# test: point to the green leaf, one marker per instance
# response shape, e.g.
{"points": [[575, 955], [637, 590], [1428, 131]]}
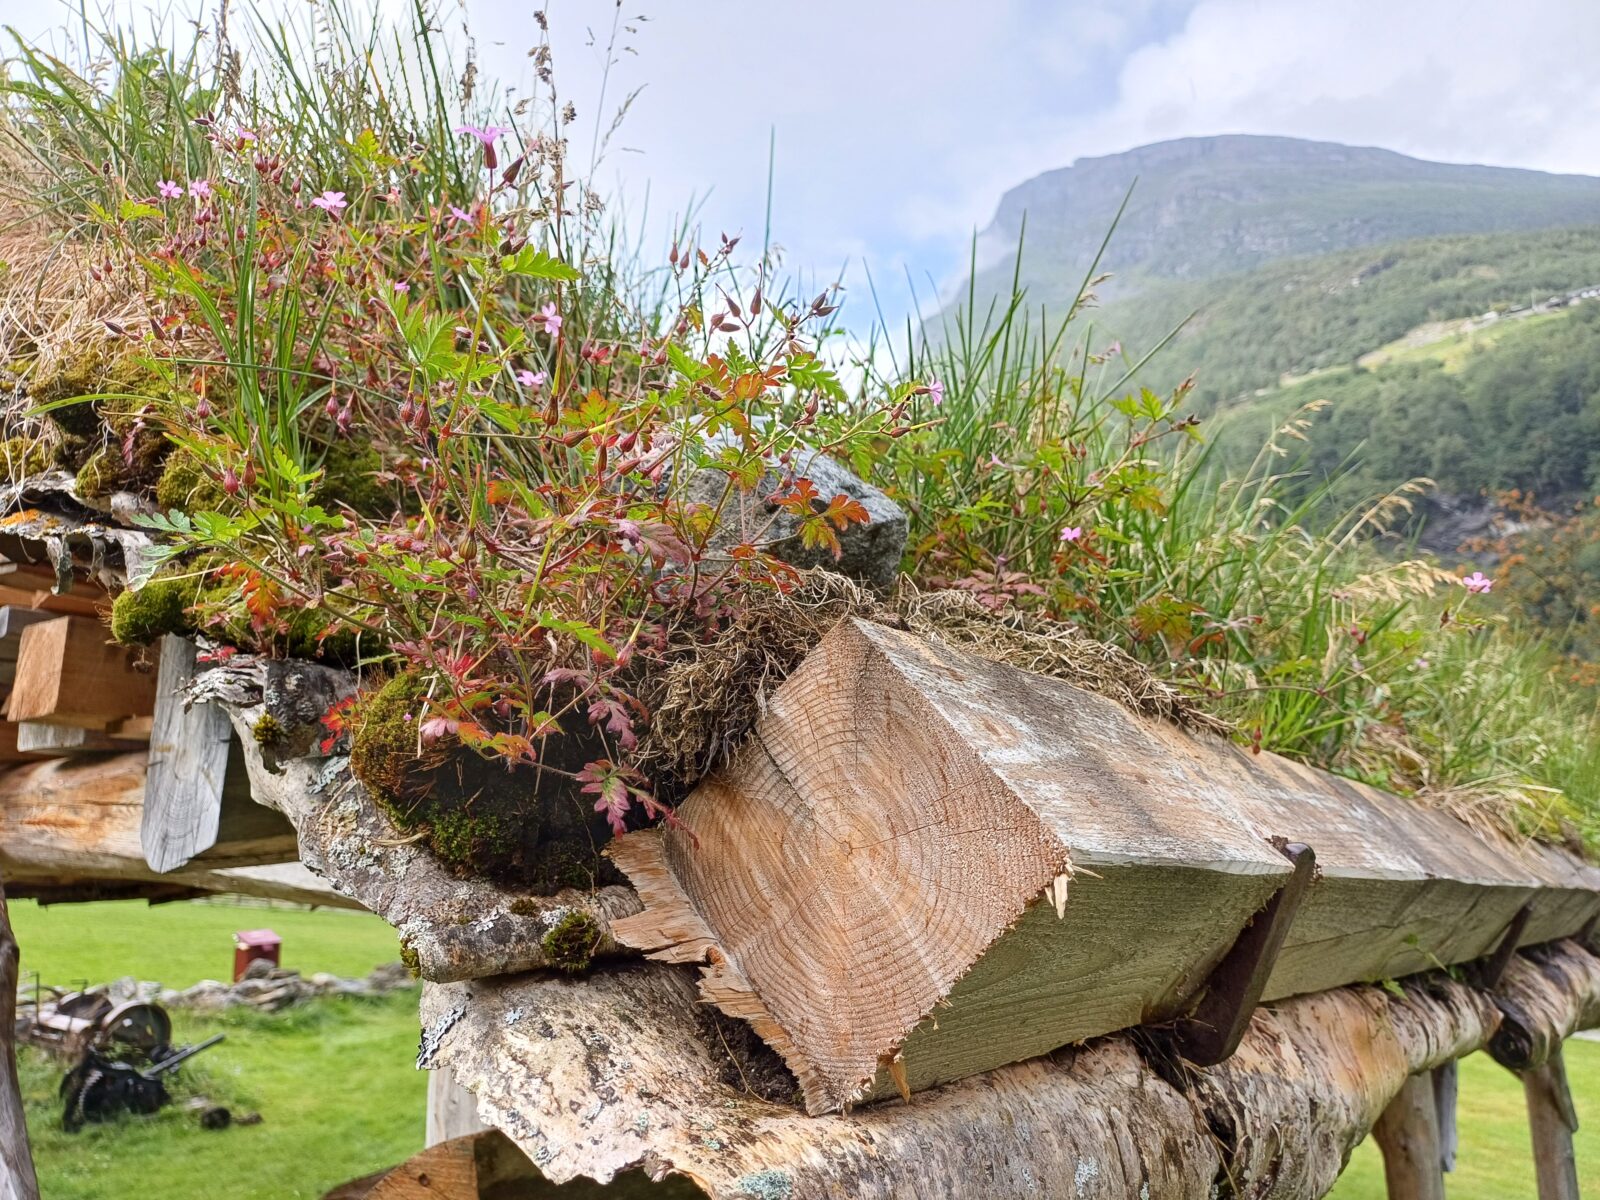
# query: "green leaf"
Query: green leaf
{"points": [[586, 634], [537, 264], [135, 210]]}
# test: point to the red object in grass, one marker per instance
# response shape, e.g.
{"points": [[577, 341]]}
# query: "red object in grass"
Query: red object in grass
{"points": [[252, 944]]}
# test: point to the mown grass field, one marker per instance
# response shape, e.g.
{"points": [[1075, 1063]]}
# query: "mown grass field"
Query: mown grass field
{"points": [[339, 1097], [334, 1081]]}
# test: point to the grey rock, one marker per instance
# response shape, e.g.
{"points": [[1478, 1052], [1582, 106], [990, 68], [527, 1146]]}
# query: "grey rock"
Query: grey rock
{"points": [[870, 552]]}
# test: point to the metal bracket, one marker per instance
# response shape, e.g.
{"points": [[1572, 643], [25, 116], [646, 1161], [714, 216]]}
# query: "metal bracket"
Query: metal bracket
{"points": [[1212, 1028], [1490, 969]]}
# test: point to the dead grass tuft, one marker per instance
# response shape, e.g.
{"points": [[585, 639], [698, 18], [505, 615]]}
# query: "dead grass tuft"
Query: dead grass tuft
{"points": [[706, 701]]}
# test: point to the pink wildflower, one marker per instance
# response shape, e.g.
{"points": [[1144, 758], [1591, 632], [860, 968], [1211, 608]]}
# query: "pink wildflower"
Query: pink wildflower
{"points": [[488, 135], [530, 379], [330, 202], [551, 319], [170, 189], [461, 215], [1478, 583], [1072, 533], [936, 391], [401, 287], [199, 188]]}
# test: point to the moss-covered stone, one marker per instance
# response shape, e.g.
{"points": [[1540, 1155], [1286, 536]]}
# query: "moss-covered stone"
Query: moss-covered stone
{"points": [[97, 370], [571, 942], [98, 476], [159, 607], [185, 485], [409, 959], [315, 634], [519, 826]]}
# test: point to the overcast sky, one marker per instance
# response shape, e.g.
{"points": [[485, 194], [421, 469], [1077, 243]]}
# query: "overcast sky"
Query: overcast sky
{"points": [[897, 124]]}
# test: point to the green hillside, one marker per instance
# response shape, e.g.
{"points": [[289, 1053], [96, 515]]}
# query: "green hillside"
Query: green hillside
{"points": [[1515, 404], [1246, 332]]}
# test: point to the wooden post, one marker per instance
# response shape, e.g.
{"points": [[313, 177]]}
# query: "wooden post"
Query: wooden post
{"points": [[1552, 1121], [452, 1110], [1408, 1135], [17, 1180], [1446, 1086]]}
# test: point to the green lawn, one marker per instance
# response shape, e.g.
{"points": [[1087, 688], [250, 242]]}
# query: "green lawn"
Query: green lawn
{"points": [[180, 944], [334, 1080]]}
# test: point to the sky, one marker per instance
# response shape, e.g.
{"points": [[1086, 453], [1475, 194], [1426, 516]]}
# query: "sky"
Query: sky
{"points": [[892, 127]]}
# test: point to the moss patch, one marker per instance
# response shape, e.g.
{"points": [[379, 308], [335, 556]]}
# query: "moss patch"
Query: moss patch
{"points": [[27, 456], [267, 731], [185, 485], [571, 942], [349, 479], [158, 608]]}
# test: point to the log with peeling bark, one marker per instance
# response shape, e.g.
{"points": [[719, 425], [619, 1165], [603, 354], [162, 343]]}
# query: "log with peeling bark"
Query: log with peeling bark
{"points": [[17, 1179], [924, 865], [627, 1071], [1544, 998], [451, 927]]}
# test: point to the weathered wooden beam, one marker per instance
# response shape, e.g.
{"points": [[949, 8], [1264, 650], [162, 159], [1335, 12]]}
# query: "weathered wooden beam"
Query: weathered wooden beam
{"points": [[14, 618], [1446, 1093], [17, 1178], [1408, 1135], [628, 1071], [1552, 1120], [452, 1112], [70, 824], [189, 752], [69, 673], [924, 865]]}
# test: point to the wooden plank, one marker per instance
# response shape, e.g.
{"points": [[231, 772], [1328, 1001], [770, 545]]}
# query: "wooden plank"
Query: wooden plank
{"points": [[484, 1165], [188, 765], [1552, 1121], [10, 750], [68, 673], [924, 865], [17, 1179], [1408, 1135], [36, 740]]}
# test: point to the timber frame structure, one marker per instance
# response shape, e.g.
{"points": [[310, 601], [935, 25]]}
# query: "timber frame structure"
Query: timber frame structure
{"points": [[1175, 969]]}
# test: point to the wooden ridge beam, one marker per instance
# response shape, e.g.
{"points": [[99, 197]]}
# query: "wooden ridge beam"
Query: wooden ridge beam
{"points": [[924, 865]]}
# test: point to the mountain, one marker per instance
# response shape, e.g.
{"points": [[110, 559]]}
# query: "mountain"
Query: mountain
{"points": [[1212, 206], [1420, 318]]}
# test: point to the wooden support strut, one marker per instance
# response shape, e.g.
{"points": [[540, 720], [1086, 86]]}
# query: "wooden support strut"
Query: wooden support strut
{"points": [[1408, 1135], [1210, 1032], [1552, 1120], [17, 1179]]}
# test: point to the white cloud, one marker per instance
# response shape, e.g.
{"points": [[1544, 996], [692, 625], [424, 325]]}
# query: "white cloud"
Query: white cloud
{"points": [[899, 123]]}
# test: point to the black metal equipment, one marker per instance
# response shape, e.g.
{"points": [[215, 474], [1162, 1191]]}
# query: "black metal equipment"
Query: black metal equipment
{"points": [[101, 1086]]}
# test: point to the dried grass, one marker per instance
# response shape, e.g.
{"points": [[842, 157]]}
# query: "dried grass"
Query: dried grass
{"points": [[706, 701]]}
